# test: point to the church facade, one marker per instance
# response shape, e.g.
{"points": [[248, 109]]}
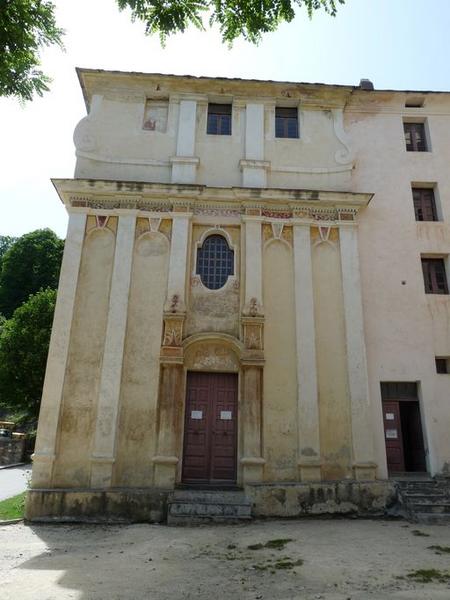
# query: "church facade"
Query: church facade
{"points": [[253, 294]]}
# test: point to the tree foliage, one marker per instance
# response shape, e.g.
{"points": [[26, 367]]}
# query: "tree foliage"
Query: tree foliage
{"points": [[26, 26], [247, 18], [6, 241], [24, 342], [32, 263]]}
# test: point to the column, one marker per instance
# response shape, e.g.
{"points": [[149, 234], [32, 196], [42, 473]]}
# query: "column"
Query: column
{"points": [[253, 265], [178, 260], [102, 459], [170, 426], [184, 164], [52, 393], [251, 423], [253, 166], [307, 395], [362, 437]]}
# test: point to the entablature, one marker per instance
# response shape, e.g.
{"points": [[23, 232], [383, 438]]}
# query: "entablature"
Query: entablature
{"points": [[264, 204]]}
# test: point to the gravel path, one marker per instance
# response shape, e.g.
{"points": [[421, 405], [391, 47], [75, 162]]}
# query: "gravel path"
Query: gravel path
{"points": [[326, 559]]}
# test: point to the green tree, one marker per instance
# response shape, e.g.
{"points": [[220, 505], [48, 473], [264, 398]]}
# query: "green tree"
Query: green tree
{"points": [[235, 18], [6, 241], [24, 341], [32, 263], [26, 26]]}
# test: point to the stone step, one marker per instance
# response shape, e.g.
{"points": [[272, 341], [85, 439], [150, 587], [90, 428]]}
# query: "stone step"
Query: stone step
{"points": [[430, 507], [220, 496], [432, 518]]}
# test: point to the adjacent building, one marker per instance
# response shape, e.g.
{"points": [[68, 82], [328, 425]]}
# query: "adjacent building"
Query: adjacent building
{"points": [[254, 293]]}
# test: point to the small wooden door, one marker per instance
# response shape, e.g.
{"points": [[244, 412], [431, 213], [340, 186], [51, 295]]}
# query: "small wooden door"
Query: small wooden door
{"points": [[393, 436], [210, 430]]}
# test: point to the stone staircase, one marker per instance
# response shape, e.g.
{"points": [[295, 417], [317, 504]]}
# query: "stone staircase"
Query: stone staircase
{"points": [[425, 501], [197, 507]]}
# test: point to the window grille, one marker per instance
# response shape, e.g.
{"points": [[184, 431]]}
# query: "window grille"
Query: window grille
{"points": [[215, 262]]}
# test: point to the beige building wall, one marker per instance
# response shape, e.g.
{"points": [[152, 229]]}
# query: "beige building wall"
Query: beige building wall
{"points": [[144, 147]]}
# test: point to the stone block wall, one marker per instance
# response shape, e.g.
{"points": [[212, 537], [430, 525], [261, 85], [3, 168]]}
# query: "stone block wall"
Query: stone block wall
{"points": [[11, 451]]}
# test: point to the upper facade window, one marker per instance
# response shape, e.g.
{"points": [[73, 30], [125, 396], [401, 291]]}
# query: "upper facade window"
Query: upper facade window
{"points": [[434, 275], [215, 262], [286, 122], [219, 119], [424, 204], [415, 137]]}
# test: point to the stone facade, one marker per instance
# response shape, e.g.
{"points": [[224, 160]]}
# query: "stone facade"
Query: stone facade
{"points": [[324, 301]]}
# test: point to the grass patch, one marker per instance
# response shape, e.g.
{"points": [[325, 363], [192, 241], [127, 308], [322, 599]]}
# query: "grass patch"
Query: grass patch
{"points": [[288, 564], [440, 549], [419, 533], [429, 575], [277, 544], [13, 508]]}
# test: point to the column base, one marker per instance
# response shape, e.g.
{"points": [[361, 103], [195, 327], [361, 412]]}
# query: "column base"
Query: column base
{"points": [[42, 470], [165, 471], [309, 471], [252, 469], [365, 471], [101, 471]]}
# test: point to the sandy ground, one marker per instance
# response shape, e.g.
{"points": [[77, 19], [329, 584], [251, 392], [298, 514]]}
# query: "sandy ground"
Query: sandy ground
{"points": [[342, 559]]}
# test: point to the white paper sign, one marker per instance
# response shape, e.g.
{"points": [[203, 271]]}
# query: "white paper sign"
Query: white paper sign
{"points": [[225, 415], [391, 434], [196, 414], [390, 416]]}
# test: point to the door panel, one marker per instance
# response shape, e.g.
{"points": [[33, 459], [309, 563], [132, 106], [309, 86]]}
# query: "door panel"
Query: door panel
{"points": [[393, 436], [210, 437]]}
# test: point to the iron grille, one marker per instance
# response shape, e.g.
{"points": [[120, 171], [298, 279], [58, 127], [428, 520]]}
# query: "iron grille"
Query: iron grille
{"points": [[215, 262]]}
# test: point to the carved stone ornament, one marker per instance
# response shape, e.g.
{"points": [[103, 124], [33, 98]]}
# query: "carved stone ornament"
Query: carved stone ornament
{"points": [[213, 356], [253, 333], [173, 330]]}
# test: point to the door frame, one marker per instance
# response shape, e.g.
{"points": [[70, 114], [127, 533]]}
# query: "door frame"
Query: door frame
{"points": [[237, 373]]}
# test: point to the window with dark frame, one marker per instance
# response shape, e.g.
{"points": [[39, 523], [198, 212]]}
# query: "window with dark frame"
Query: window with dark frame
{"points": [[434, 276], [424, 204], [215, 262], [415, 137], [219, 119], [286, 122], [442, 365]]}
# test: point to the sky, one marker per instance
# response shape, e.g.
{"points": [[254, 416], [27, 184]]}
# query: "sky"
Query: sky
{"points": [[398, 44]]}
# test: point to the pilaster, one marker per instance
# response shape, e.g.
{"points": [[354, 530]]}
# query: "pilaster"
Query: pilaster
{"points": [[363, 451], [307, 394], [253, 265], [44, 454], [102, 459], [254, 167], [184, 164], [176, 285]]}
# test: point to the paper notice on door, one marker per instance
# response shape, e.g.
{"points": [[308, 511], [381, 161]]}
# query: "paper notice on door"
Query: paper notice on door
{"points": [[390, 416], [196, 414], [391, 434], [225, 415]]}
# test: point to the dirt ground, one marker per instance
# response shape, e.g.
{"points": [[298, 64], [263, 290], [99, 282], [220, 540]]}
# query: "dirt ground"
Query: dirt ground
{"points": [[325, 559]]}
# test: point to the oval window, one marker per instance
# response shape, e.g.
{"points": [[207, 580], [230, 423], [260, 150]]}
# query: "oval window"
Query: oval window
{"points": [[215, 262]]}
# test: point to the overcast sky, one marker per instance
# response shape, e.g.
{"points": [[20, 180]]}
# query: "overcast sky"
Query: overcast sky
{"points": [[398, 44]]}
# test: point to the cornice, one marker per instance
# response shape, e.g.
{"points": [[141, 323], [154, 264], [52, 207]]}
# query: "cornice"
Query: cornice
{"points": [[91, 194]]}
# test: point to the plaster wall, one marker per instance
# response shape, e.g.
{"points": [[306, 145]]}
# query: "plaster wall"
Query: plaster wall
{"points": [[280, 371], [136, 436], [334, 409], [77, 422], [405, 328]]}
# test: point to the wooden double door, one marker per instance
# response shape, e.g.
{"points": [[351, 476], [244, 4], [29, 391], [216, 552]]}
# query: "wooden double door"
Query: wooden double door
{"points": [[405, 451], [210, 429]]}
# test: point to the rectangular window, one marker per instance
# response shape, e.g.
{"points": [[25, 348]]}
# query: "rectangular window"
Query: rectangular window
{"points": [[219, 119], [286, 122], [424, 204], [434, 276], [415, 137], [442, 365]]}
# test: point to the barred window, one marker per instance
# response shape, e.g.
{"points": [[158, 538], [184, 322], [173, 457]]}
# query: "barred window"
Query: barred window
{"points": [[215, 262]]}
